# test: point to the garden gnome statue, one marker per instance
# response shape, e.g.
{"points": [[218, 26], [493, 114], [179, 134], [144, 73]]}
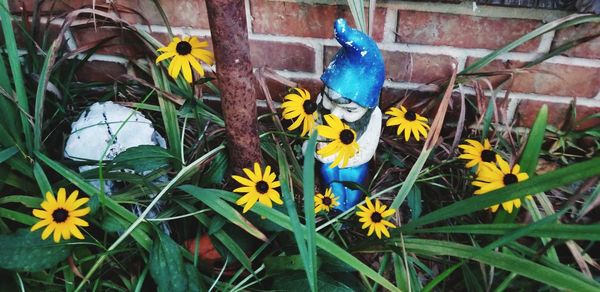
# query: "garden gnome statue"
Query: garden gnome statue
{"points": [[352, 85]]}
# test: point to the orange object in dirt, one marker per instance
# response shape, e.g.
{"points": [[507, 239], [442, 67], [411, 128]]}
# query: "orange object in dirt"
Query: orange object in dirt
{"points": [[206, 250]]}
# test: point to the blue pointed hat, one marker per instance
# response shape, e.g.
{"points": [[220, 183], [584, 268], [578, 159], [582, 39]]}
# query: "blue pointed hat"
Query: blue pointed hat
{"points": [[357, 72]]}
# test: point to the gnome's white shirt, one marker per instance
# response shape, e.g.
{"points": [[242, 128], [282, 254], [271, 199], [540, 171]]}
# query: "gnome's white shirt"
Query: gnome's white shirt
{"points": [[351, 112]]}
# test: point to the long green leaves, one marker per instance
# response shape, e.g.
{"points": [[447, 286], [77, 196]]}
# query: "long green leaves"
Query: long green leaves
{"points": [[533, 185], [531, 154], [288, 200], [503, 261], [322, 242], [308, 184], [551, 230], [15, 66]]}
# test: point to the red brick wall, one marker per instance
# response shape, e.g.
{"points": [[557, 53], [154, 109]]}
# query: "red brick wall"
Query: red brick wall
{"points": [[419, 47]]}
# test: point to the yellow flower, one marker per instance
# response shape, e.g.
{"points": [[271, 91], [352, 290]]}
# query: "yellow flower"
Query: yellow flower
{"points": [[491, 178], [373, 217], [478, 153], [343, 141], [407, 122], [259, 187], [61, 215], [325, 202], [184, 53], [300, 107]]}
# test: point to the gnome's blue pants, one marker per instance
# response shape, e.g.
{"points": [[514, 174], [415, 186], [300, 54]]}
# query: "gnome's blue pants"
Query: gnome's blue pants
{"points": [[347, 197]]}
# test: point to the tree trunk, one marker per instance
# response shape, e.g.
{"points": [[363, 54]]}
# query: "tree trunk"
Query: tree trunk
{"points": [[229, 33]]}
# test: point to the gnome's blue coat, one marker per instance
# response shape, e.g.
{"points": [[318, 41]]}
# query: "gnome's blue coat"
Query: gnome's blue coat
{"points": [[357, 73]]}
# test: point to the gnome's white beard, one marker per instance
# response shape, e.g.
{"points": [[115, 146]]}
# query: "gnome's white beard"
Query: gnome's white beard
{"points": [[367, 143]]}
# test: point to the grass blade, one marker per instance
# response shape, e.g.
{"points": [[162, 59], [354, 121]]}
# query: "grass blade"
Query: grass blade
{"points": [[531, 154], [308, 184], [322, 242], [15, 66], [207, 197], [288, 199], [553, 230], [548, 181], [503, 261]]}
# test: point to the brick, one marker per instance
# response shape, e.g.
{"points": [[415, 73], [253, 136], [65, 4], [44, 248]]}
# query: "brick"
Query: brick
{"points": [[50, 31], [441, 29], [278, 91], [589, 49], [275, 55], [282, 56], [122, 42], [180, 13], [100, 71], [549, 79], [557, 114], [409, 67], [49, 6], [304, 20]]}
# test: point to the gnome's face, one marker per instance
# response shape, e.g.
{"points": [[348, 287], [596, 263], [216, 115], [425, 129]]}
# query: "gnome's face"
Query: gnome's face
{"points": [[356, 116], [343, 108]]}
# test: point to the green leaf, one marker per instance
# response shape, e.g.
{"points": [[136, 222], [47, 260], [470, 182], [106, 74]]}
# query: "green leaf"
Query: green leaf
{"points": [[15, 66], [288, 199], [411, 178], [8, 153], [169, 113], [308, 185], [41, 179], [322, 242], [414, 202], [232, 246], [166, 265], [531, 154], [508, 262], [17, 216], [195, 283], [295, 282], [284, 264], [554, 230], [537, 184], [143, 158], [25, 251], [208, 197]]}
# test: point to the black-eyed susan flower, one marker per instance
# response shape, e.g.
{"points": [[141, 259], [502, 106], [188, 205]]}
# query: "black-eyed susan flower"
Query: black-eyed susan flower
{"points": [[184, 54], [476, 153], [300, 107], [492, 177], [343, 141], [258, 187], [325, 202], [61, 215], [407, 122], [373, 217]]}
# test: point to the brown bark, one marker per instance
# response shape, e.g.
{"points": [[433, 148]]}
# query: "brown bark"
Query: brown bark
{"points": [[227, 19]]}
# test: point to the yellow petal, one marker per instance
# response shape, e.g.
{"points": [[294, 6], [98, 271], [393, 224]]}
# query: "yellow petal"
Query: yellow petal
{"points": [[62, 194], [75, 231], [80, 212], [41, 214], [48, 231], [40, 224]]}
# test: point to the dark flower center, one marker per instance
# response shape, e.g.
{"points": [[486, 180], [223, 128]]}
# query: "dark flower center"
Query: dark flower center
{"points": [[309, 106], [183, 48], [60, 215], [509, 179], [262, 187], [488, 156], [346, 136], [410, 116], [326, 201], [376, 217]]}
